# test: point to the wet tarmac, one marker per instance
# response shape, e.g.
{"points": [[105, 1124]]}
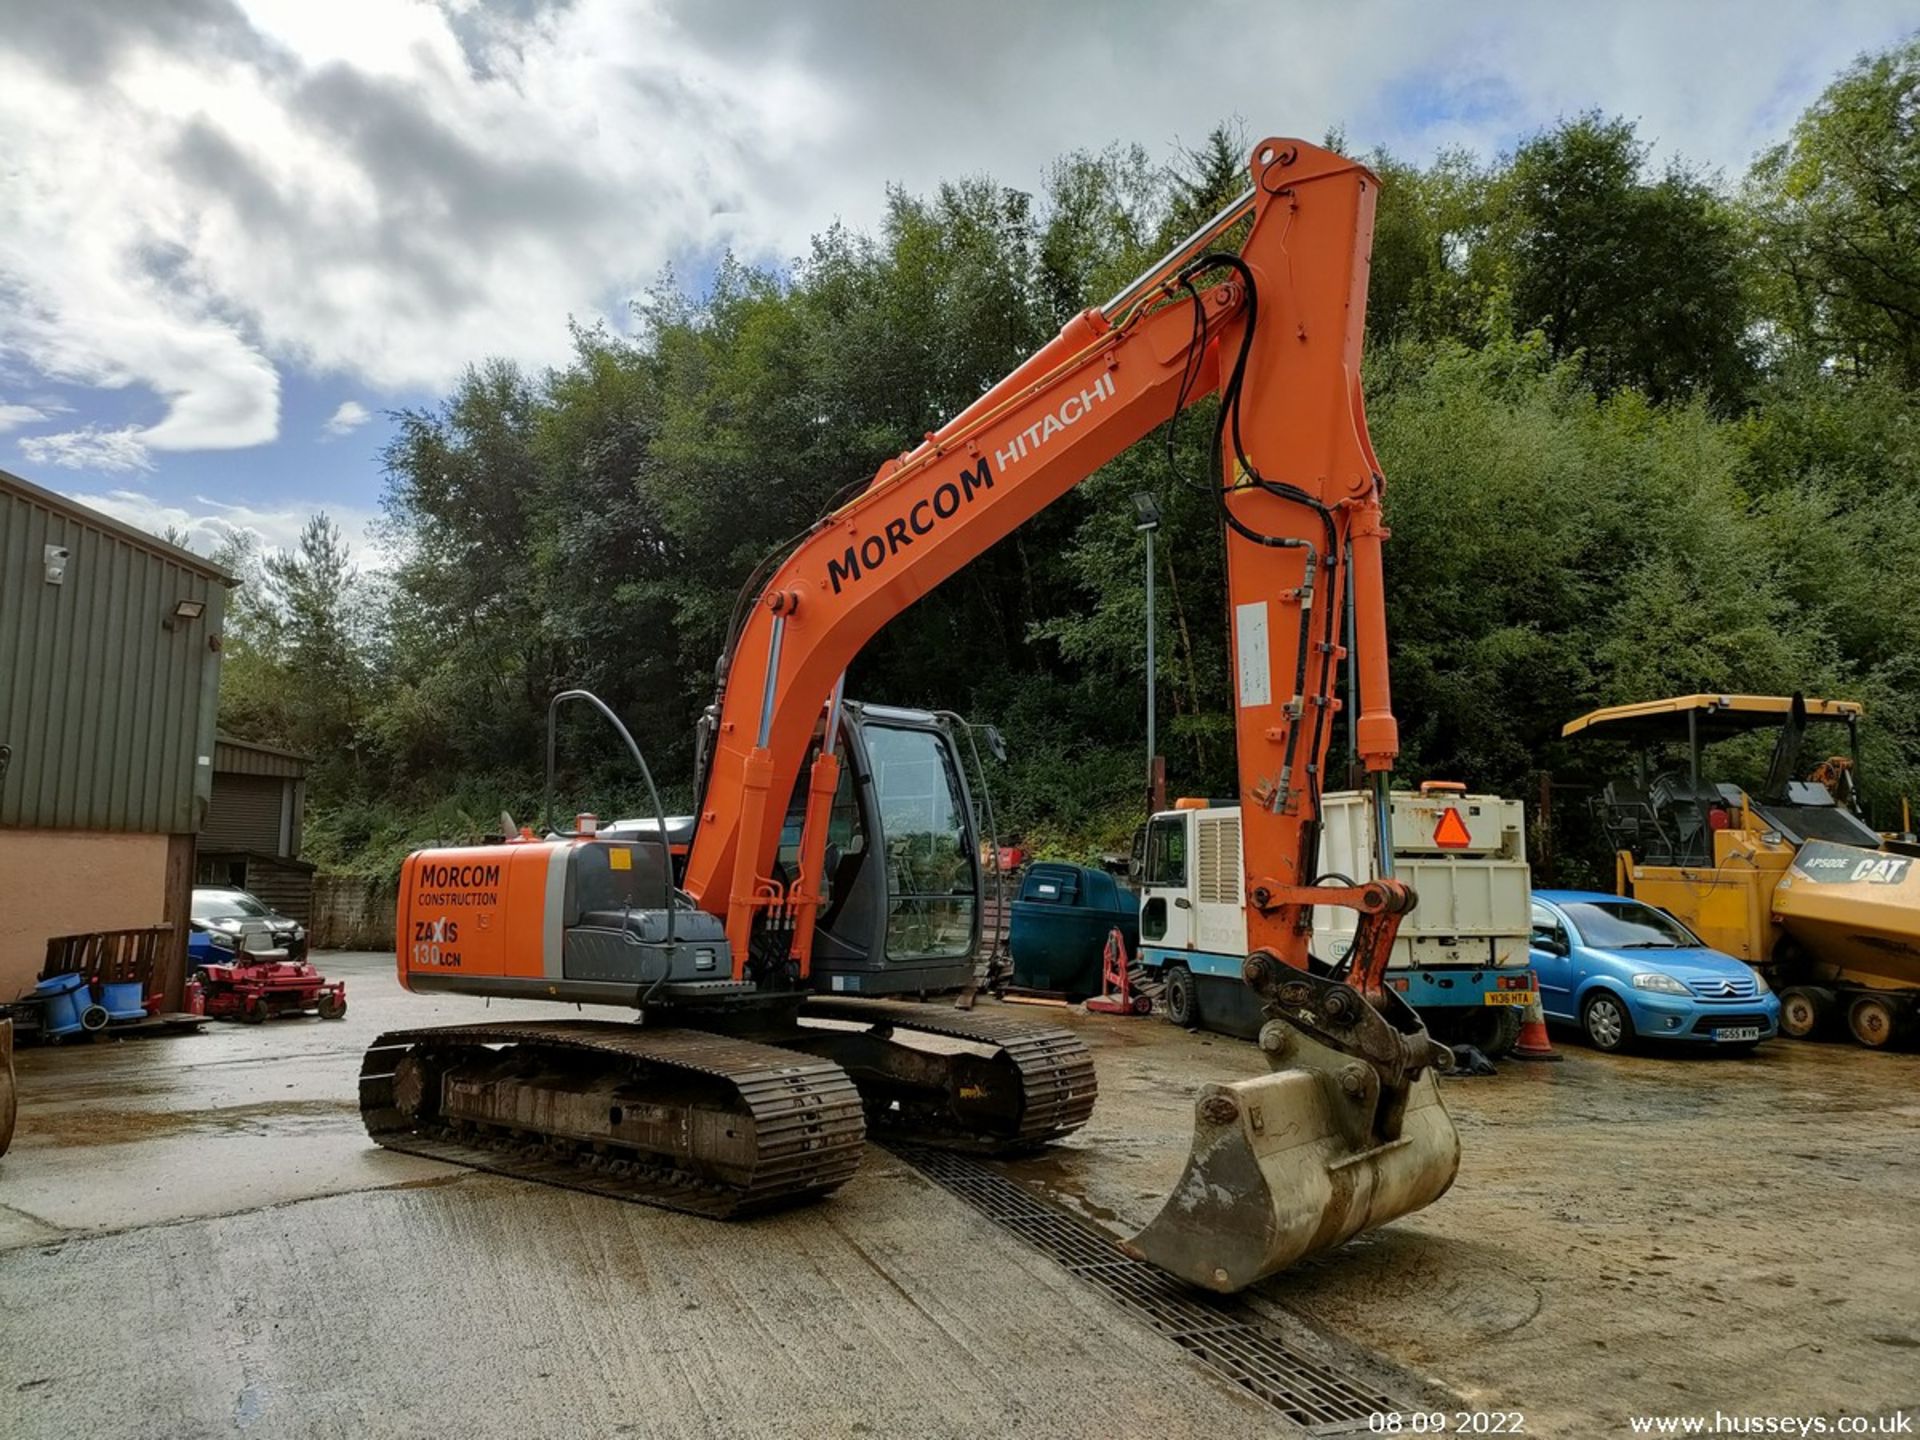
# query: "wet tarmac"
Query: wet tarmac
{"points": [[197, 1239]]}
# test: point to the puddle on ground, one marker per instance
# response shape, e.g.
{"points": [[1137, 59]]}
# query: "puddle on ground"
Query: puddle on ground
{"points": [[1057, 1174], [86, 1128]]}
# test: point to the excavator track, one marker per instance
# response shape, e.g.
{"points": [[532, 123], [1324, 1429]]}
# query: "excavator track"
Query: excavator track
{"points": [[678, 1118], [1048, 1064]]}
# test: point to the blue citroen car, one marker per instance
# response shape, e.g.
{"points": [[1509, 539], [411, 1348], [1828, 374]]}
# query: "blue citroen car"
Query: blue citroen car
{"points": [[1623, 971]]}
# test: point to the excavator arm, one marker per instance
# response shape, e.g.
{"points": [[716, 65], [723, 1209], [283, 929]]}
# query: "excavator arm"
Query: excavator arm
{"points": [[743, 1091], [1348, 1131], [1276, 328]]}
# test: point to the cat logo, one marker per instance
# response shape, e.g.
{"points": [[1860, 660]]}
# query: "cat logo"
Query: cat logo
{"points": [[1887, 870], [1845, 865]]}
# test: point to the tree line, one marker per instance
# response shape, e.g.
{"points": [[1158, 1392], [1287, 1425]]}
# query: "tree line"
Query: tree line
{"points": [[1646, 430]]}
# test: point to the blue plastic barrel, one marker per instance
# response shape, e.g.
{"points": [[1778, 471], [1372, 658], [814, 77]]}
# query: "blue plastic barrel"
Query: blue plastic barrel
{"points": [[63, 1000], [124, 999]]}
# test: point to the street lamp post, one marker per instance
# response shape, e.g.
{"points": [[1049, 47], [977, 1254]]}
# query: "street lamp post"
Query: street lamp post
{"points": [[1147, 521]]}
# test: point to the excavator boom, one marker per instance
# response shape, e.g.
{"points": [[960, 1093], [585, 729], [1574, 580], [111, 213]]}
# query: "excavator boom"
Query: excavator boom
{"points": [[1300, 495], [1265, 307]]}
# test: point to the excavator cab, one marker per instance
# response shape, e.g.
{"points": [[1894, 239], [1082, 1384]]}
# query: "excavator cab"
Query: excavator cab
{"points": [[901, 878], [901, 912]]}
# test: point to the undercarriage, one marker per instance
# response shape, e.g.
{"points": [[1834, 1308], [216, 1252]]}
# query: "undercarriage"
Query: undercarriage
{"points": [[673, 1112]]}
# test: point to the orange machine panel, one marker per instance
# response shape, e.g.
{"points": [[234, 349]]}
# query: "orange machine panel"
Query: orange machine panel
{"points": [[477, 910]]}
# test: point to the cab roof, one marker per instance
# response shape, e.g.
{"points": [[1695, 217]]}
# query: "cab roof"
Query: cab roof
{"points": [[1716, 715]]}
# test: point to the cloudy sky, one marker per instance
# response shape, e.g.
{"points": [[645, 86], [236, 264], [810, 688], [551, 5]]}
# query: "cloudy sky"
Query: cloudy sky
{"points": [[235, 233]]}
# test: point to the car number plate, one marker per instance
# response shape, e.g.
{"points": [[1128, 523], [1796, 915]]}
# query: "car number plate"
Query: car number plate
{"points": [[1510, 997], [1737, 1032]]}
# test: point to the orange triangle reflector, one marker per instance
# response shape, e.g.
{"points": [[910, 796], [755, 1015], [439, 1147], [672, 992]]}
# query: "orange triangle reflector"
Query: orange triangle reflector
{"points": [[1451, 832]]}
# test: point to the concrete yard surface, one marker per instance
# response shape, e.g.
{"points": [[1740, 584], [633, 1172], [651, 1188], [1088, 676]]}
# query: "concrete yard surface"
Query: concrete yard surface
{"points": [[1660, 1234], [196, 1238]]}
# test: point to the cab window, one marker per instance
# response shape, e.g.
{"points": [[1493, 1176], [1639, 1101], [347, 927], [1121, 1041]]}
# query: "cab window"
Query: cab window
{"points": [[846, 834], [224, 904], [930, 861], [1167, 852]]}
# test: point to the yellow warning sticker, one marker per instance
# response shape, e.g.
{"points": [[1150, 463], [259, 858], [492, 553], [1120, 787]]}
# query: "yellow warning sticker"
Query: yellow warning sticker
{"points": [[620, 859]]}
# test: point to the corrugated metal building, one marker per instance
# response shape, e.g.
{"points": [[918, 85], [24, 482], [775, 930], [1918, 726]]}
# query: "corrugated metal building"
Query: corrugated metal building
{"points": [[109, 684], [251, 838]]}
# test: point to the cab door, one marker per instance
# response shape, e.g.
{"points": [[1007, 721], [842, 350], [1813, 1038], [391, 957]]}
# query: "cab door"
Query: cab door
{"points": [[1166, 901], [1551, 955]]}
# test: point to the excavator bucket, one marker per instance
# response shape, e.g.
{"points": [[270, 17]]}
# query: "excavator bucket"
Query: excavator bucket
{"points": [[1295, 1162]]}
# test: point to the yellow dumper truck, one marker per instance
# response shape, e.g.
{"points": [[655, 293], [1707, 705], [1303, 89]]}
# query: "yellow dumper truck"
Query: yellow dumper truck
{"points": [[1789, 876]]}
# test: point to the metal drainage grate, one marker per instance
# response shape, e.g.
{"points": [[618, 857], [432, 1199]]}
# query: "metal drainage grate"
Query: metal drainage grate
{"points": [[1226, 1335]]}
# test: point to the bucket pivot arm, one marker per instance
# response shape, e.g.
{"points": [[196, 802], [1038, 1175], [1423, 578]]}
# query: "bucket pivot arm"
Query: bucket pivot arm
{"points": [[1386, 1045]]}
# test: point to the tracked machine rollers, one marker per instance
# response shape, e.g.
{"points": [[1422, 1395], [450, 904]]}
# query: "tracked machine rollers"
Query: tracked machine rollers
{"points": [[678, 1118], [933, 1075], [715, 1124]]}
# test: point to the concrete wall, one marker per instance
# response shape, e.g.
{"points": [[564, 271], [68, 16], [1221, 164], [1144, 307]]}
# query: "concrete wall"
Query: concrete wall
{"points": [[69, 882], [352, 913]]}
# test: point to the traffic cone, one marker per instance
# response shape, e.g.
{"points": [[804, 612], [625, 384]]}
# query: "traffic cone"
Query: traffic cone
{"points": [[1533, 1043]]}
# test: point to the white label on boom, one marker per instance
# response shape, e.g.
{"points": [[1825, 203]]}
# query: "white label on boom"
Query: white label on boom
{"points": [[1256, 670]]}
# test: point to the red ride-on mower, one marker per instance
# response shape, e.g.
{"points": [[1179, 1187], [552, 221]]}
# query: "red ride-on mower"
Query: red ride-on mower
{"points": [[254, 988]]}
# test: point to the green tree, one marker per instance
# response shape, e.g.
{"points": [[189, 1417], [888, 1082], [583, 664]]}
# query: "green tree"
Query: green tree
{"points": [[1205, 179], [1839, 208], [251, 695], [1103, 212], [1643, 278], [1593, 496], [1554, 550], [1431, 277], [319, 633], [300, 650], [473, 654]]}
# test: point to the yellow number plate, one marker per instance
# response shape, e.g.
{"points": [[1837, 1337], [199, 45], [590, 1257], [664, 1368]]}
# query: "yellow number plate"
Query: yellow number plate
{"points": [[1510, 997]]}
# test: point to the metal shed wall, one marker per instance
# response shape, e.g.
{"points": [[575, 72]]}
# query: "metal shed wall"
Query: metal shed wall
{"points": [[106, 700], [247, 757]]}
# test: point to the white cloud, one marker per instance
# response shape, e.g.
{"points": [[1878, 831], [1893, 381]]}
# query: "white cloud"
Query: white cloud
{"points": [[388, 189], [203, 193], [348, 418], [208, 523], [12, 417], [112, 451]]}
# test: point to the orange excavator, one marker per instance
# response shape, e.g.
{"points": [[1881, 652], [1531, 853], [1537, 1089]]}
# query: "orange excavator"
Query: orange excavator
{"points": [[760, 1061]]}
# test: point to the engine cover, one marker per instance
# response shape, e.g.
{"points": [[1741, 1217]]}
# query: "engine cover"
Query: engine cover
{"points": [[573, 919]]}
